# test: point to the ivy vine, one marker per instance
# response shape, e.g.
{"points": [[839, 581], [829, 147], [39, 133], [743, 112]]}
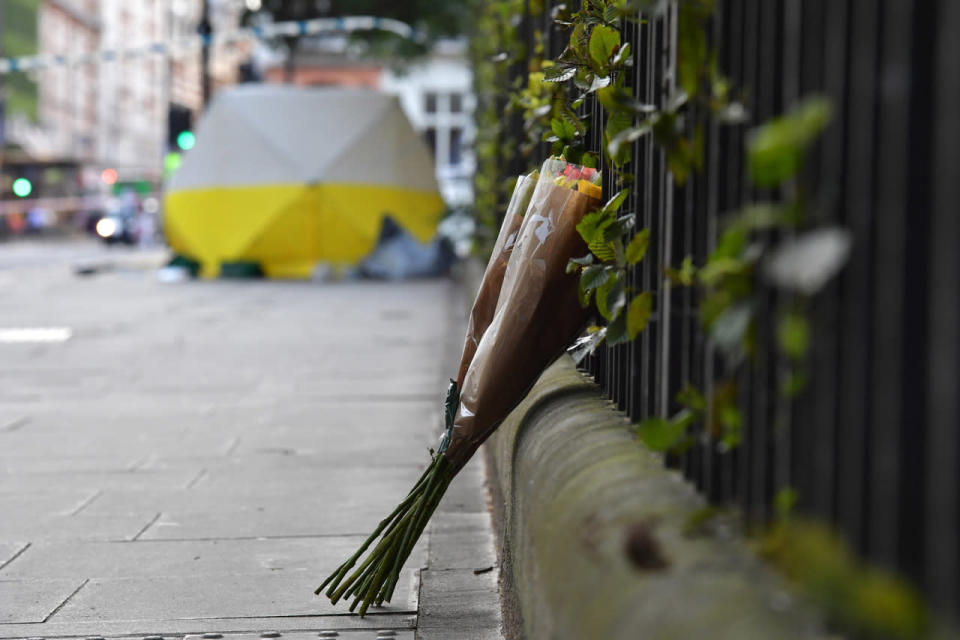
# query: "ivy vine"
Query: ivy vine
{"points": [[760, 241], [768, 245]]}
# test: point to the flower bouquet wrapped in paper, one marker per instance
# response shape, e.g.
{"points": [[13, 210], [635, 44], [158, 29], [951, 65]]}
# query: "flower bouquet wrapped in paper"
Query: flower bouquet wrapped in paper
{"points": [[488, 293], [537, 315]]}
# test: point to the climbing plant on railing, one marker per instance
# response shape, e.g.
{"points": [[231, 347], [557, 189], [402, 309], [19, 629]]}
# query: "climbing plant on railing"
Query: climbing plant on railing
{"points": [[758, 235], [766, 247], [763, 244]]}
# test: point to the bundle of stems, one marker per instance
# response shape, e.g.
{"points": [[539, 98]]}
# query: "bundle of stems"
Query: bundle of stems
{"points": [[374, 581]]}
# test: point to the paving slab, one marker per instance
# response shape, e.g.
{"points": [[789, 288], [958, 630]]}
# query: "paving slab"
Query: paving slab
{"points": [[320, 485], [174, 629], [10, 550], [31, 505], [283, 465], [277, 520], [391, 634], [462, 541], [32, 601], [38, 462], [229, 596], [315, 557], [459, 599], [96, 481], [119, 526]]}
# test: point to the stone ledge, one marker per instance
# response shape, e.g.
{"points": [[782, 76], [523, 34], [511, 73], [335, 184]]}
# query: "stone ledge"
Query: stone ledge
{"points": [[570, 483]]}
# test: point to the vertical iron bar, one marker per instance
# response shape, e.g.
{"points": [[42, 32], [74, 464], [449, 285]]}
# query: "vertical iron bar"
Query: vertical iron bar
{"points": [[943, 394]]}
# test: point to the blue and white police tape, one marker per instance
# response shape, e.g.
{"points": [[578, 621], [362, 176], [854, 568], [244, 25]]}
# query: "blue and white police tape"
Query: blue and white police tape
{"points": [[345, 24]]}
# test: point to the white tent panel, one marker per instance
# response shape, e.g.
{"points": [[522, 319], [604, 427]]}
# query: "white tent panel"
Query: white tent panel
{"points": [[270, 134]]}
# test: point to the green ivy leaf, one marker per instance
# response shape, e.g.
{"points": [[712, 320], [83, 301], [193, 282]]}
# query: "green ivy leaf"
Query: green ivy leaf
{"points": [[616, 201], [592, 225], [583, 79], [731, 244], [628, 136], [583, 293], [692, 46], [793, 335], [615, 98], [637, 248], [563, 129], [604, 251], [619, 228], [661, 434], [567, 113], [611, 298], [617, 122], [638, 314], [793, 384], [784, 502], [775, 150], [604, 42], [729, 327], [594, 276], [559, 73], [691, 398], [683, 276], [612, 13], [578, 39], [717, 268], [730, 418], [617, 330]]}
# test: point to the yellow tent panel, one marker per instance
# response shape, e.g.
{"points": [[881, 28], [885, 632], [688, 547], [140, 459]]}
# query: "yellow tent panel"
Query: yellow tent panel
{"points": [[257, 190]]}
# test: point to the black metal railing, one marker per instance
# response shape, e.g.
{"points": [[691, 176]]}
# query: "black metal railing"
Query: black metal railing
{"points": [[873, 443]]}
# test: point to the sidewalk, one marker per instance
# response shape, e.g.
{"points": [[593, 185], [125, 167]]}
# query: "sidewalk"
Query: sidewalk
{"points": [[197, 457]]}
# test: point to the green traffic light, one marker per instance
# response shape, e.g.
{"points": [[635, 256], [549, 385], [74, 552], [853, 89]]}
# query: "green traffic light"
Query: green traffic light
{"points": [[186, 140], [171, 162], [22, 187]]}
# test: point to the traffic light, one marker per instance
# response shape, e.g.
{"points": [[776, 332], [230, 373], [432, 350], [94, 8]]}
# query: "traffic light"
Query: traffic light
{"points": [[22, 187], [180, 128], [186, 140]]}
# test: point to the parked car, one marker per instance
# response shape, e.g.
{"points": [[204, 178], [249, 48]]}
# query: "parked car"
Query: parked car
{"points": [[117, 227]]}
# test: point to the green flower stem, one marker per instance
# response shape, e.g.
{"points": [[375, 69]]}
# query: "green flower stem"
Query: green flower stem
{"points": [[389, 522], [375, 580]]}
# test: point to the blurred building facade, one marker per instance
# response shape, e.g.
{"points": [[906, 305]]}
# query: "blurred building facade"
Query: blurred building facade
{"points": [[110, 114], [132, 107], [67, 96]]}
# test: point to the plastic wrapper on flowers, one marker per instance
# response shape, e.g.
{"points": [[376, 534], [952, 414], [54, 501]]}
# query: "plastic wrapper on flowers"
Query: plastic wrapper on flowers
{"points": [[537, 315], [485, 304]]}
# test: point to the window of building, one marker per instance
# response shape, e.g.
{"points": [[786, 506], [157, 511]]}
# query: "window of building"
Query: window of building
{"points": [[430, 137], [430, 102], [456, 103], [456, 138]]}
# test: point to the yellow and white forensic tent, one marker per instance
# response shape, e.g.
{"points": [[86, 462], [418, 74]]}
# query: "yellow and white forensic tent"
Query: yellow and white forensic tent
{"points": [[288, 177]]}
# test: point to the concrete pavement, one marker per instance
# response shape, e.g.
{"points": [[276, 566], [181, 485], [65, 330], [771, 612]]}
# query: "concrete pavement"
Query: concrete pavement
{"points": [[198, 456]]}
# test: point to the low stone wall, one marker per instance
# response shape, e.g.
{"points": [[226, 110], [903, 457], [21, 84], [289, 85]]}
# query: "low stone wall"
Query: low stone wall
{"points": [[594, 534]]}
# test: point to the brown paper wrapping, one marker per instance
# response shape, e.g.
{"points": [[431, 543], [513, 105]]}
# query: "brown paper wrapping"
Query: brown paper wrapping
{"points": [[489, 292], [538, 315]]}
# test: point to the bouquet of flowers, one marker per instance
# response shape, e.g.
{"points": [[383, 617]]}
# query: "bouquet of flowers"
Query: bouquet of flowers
{"points": [[485, 303], [537, 314]]}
